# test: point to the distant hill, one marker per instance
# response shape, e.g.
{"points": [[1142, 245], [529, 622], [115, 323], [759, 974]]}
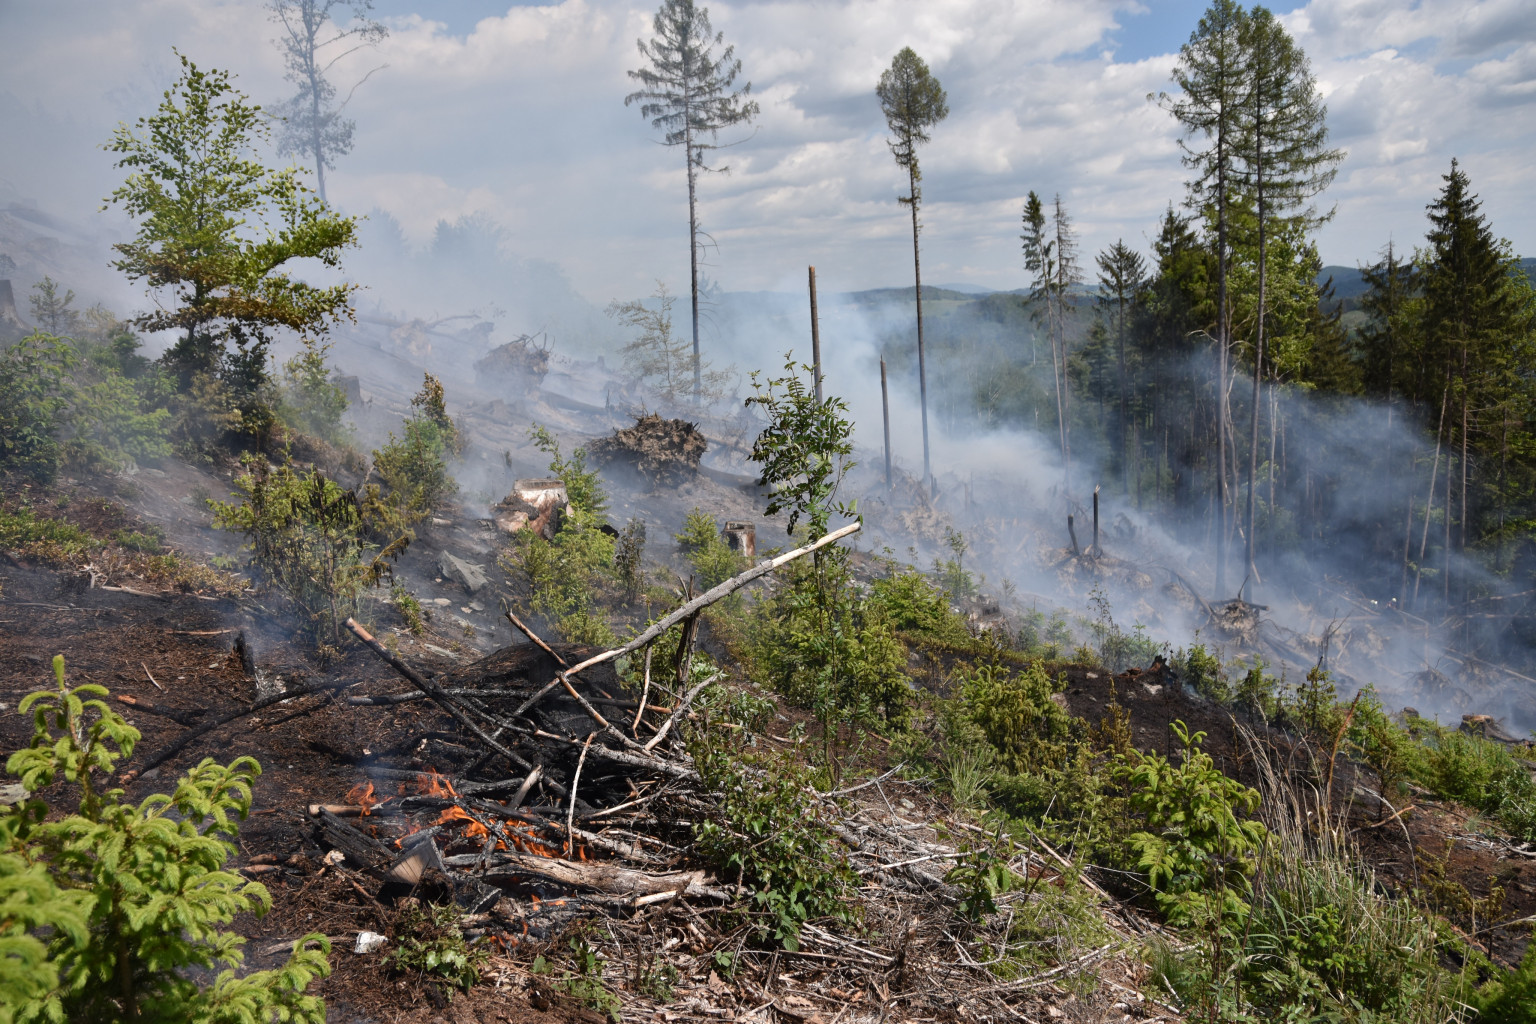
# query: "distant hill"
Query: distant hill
{"points": [[1349, 285]]}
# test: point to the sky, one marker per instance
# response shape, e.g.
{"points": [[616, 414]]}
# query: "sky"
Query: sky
{"points": [[515, 112]]}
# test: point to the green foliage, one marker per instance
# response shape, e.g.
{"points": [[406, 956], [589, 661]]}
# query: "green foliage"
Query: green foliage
{"points": [[1198, 851], [409, 608], [216, 228], [711, 557], [1510, 998], [1015, 712], [312, 401], [917, 609], [429, 943], [803, 452], [629, 559], [1479, 773], [582, 485], [1201, 670], [659, 360], [768, 833], [982, 874], [307, 538], [566, 576], [824, 648], [125, 901], [25, 532], [1315, 708], [1042, 638], [1116, 649], [585, 982], [414, 467], [57, 409], [1387, 750], [958, 582]]}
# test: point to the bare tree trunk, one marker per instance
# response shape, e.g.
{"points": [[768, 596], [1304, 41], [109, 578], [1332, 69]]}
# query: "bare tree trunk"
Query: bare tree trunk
{"points": [[1429, 503], [815, 338], [922, 364], [885, 408], [693, 263], [1258, 359]]}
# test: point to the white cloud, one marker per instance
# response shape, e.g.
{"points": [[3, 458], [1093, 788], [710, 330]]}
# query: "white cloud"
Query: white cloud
{"points": [[523, 119]]}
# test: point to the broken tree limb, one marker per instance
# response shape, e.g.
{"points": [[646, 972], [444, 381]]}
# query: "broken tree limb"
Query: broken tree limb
{"points": [[682, 708], [174, 747], [442, 700], [531, 635], [712, 595], [601, 876]]}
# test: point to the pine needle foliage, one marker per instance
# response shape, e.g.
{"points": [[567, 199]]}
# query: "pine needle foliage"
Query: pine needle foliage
{"points": [[106, 911]]}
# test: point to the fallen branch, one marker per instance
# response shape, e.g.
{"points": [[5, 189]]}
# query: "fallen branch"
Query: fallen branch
{"points": [[169, 751], [442, 700], [712, 595]]}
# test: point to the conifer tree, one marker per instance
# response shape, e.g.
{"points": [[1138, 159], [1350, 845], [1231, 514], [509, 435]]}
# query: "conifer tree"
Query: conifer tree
{"points": [[1121, 274], [1212, 78], [913, 102], [1477, 324], [687, 92], [1285, 162]]}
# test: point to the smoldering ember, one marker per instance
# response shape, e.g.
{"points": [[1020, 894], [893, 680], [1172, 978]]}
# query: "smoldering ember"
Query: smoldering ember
{"points": [[414, 611]]}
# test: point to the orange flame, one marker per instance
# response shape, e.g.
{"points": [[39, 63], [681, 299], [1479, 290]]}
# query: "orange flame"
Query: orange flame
{"points": [[432, 784], [363, 796], [474, 830]]}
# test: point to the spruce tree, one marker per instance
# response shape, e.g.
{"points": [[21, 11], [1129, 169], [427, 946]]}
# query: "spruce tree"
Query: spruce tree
{"points": [[1121, 274], [1284, 163], [1212, 77], [688, 93], [1477, 325], [913, 102]]}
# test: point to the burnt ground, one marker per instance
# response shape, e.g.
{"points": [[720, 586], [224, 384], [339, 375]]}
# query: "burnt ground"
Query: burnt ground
{"points": [[1456, 854], [175, 650]]}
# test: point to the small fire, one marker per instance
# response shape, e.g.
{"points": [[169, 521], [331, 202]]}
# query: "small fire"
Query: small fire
{"points": [[432, 784], [475, 830], [362, 795]]}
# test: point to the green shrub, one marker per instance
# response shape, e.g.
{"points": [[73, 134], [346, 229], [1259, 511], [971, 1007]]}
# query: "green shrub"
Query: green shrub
{"points": [[429, 943], [767, 833], [312, 402], [30, 535], [585, 983], [1113, 648], [566, 575], [1042, 638], [711, 557], [109, 909], [1015, 712], [1201, 670], [629, 559], [1199, 851], [823, 648], [917, 608], [306, 536], [1510, 998], [1482, 774]]}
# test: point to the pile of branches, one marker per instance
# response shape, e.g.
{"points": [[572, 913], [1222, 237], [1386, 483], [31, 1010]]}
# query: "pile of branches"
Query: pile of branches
{"points": [[563, 806], [664, 452]]}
